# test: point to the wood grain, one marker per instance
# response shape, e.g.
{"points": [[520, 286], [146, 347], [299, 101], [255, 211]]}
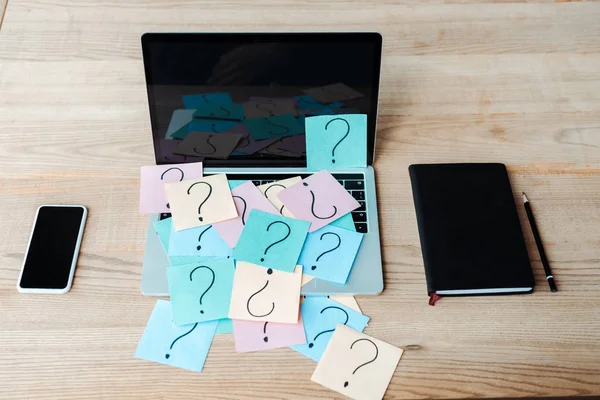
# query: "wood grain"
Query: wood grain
{"points": [[505, 82]]}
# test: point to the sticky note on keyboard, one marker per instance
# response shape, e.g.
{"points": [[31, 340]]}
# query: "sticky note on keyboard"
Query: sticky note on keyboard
{"points": [[270, 190], [200, 202], [203, 241], [246, 197], [153, 199], [357, 365], [272, 241], [329, 253], [274, 127], [319, 199], [183, 346], [265, 294], [200, 291], [256, 336], [336, 141], [321, 315], [345, 222]]}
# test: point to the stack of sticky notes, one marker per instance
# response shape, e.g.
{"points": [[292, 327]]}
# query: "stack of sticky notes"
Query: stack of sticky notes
{"points": [[239, 254]]}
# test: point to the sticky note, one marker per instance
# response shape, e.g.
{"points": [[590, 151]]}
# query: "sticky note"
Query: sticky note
{"points": [[167, 152], [255, 336], [320, 316], [209, 145], [265, 294], [345, 222], [334, 92], [205, 125], [348, 301], [311, 113], [199, 202], [305, 103], [276, 150], [179, 122], [228, 111], [273, 127], [200, 291], [235, 183], [319, 199], [269, 107], [270, 190], [272, 241], [163, 230], [196, 100], [153, 199], [183, 346], [357, 365], [294, 144], [306, 279], [202, 241], [338, 141], [251, 146], [225, 326], [246, 198], [329, 253]]}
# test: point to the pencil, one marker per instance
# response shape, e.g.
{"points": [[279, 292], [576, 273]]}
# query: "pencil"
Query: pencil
{"points": [[538, 242]]}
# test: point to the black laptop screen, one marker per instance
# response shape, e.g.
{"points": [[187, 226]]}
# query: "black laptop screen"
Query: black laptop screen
{"points": [[241, 99]]}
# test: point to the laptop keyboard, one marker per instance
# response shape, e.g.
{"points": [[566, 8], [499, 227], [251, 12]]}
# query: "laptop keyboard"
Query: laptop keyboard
{"points": [[354, 184]]}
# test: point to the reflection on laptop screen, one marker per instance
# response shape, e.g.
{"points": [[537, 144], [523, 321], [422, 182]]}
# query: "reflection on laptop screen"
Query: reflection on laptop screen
{"points": [[241, 99]]}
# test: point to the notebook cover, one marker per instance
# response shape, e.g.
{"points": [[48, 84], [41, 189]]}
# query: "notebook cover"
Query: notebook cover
{"points": [[471, 237]]}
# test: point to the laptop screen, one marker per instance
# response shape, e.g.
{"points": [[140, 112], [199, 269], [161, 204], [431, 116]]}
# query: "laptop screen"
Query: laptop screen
{"points": [[241, 99]]}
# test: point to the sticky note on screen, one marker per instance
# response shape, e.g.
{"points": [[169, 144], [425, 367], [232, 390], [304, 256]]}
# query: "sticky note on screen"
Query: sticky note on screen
{"points": [[196, 100], [278, 127], [227, 111]]}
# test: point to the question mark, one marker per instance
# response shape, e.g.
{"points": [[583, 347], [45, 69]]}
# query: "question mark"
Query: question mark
{"points": [[266, 104], [180, 179], [340, 141], [312, 206], [279, 241], [201, 204], [208, 143], [368, 362], [266, 339], [200, 237], [221, 116], [209, 286], [287, 130], [212, 128], [269, 271], [205, 98], [330, 250], [244, 211], [267, 196], [310, 345], [175, 341]]}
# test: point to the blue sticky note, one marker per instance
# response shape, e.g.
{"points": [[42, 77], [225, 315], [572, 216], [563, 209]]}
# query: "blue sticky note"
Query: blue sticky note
{"points": [[273, 127], [312, 113], [345, 222], [203, 241], [200, 291], [320, 316], [205, 125], [228, 111], [196, 100], [225, 326], [180, 346], [234, 183], [309, 103], [329, 253], [337, 141], [271, 241]]}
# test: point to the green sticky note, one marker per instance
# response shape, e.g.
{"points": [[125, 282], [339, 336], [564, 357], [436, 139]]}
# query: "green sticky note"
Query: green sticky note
{"points": [[200, 291], [345, 222], [336, 141], [273, 127]]}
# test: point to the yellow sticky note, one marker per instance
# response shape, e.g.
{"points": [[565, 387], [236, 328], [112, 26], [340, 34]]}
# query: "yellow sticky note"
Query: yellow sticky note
{"points": [[357, 365], [270, 191], [198, 202], [265, 294]]}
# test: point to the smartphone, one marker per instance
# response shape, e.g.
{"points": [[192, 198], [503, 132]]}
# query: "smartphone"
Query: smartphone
{"points": [[51, 255]]}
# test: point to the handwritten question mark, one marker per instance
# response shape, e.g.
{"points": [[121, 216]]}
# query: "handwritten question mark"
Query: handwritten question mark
{"points": [[244, 210], [266, 338], [228, 113], [180, 179], [267, 104], [342, 139], [269, 271], [201, 204], [312, 206], [213, 129], [267, 195], [205, 98], [175, 341], [200, 237], [368, 362], [310, 345], [289, 231], [287, 130], [209, 286], [214, 150], [330, 250]]}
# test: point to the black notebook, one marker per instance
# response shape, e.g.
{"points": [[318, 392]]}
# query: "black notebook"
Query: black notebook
{"points": [[470, 232]]}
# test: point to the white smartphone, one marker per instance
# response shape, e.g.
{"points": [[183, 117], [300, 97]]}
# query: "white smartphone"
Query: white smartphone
{"points": [[51, 256]]}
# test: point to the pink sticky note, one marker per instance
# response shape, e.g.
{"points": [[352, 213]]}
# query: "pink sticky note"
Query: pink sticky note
{"points": [[257, 335], [153, 198], [246, 197], [319, 199]]}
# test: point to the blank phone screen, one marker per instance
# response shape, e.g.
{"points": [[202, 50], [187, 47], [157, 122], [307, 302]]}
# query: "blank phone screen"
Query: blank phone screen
{"points": [[52, 248]]}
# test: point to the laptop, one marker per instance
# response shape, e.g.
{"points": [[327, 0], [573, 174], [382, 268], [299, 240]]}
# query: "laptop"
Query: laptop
{"points": [[319, 73]]}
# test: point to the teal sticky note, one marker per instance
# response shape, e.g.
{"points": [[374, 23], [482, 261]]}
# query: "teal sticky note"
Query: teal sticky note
{"points": [[271, 241], [200, 291], [196, 100], [225, 326], [183, 346], [202, 241], [163, 230], [234, 183], [336, 141], [309, 103], [320, 316], [329, 253], [273, 127], [227, 111], [345, 222], [205, 125]]}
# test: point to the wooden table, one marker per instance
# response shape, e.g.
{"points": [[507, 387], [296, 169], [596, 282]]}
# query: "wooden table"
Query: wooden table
{"points": [[511, 83]]}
